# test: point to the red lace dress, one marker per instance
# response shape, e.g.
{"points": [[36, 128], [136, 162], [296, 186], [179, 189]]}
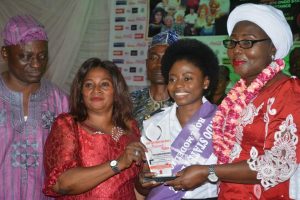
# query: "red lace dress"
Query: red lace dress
{"points": [[69, 145], [268, 135]]}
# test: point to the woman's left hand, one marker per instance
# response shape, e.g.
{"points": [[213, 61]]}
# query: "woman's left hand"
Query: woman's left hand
{"points": [[189, 178]]}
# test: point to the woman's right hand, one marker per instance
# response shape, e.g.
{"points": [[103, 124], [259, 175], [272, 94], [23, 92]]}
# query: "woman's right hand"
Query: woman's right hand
{"points": [[134, 152]]}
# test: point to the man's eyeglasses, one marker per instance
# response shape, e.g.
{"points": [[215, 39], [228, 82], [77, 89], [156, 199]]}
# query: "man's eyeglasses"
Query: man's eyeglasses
{"points": [[245, 44]]}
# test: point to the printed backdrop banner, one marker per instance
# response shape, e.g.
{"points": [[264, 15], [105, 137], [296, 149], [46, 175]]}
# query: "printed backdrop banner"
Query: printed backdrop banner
{"points": [[128, 46], [134, 22]]}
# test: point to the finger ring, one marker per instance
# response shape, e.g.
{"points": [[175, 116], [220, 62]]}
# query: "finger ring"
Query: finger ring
{"points": [[136, 152]]}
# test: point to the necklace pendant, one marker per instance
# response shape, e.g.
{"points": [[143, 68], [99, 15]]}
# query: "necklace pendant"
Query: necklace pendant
{"points": [[116, 133]]}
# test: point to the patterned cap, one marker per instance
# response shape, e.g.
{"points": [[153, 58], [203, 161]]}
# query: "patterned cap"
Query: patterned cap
{"points": [[166, 37], [21, 29]]}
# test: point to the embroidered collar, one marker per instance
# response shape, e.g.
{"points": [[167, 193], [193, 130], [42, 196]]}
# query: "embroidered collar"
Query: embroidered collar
{"points": [[37, 96]]}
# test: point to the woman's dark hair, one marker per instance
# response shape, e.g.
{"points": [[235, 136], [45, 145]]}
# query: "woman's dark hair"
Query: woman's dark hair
{"points": [[156, 10], [122, 106], [195, 52]]}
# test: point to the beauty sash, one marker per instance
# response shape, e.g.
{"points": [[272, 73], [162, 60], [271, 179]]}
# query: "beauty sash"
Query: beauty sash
{"points": [[193, 145]]}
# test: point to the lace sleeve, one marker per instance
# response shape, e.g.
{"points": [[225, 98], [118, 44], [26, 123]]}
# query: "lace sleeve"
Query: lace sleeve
{"points": [[279, 162], [61, 150]]}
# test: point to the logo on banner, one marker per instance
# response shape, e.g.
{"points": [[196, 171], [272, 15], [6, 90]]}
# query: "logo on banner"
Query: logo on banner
{"points": [[133, 27], [134, 53], [132, 69], [138, 35], [120, 19], [138, 78], [129, 36], [142, 19], [119, 44], [119, 27], [121, 2], [118, 61], [118, 53], [134, 10], [120, 11], [127, 78]]}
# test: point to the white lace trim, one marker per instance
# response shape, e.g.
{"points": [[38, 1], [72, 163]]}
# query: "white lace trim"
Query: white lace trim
{"points": [[247, 117], [279, 163]]}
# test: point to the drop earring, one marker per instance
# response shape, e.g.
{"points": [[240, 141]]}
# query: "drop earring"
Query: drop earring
{"points": [[272, 57]]}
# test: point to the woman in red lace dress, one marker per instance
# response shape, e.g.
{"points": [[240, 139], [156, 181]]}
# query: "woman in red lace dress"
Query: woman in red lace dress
{"points": [[256, 128], [94, 152]]}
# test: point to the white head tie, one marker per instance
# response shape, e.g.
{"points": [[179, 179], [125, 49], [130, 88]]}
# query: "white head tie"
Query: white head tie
{"points": [[268, 18]]}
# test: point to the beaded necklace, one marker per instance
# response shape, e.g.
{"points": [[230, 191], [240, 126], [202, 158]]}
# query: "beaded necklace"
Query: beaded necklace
{"points": [[116, 132], [226, 118]]}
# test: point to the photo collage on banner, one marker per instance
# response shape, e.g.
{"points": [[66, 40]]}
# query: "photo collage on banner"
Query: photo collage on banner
{"points": [[134, 22]]}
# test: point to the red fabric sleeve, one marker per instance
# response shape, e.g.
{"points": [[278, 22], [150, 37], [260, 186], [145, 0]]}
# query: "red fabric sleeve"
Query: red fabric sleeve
{"points": [[61, 150], [287, 103]]}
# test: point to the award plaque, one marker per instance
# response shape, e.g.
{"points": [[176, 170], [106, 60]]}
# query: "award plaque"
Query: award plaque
{"points": [[159, 156]]}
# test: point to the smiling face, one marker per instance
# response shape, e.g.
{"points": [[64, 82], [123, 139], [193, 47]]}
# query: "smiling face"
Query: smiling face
{"points": [[186, 84], [98, 90], [248, 63], [26, 63], [153, 64]]}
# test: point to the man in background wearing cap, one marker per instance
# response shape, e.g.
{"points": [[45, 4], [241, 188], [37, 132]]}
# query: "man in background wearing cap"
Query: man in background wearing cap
{"points": [[28, 106], [150, 100]]}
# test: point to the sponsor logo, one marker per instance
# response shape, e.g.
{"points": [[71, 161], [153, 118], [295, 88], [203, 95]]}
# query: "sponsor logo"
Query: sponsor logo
{"points": [[120, 11], [118, 61], [132, 69], [118, 53], [138, 78], [118, 37], [138, 36], [133, 27], [131, 45], [142, 1], [127, 78], [140, 19], [121, 2], [134, 10], [130, 19], [120, 19], [129, 63], [128, 36], [140, 62], [141, 44], [119, 44], [119, 27], [134, 53]]}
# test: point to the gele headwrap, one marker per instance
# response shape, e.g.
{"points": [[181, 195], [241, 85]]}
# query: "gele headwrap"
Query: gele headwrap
{"points": [[166, 37], [21, 29], [268, 18]]}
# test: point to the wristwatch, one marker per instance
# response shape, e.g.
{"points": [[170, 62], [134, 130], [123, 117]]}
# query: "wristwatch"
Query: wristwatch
{"points": [[212, 177], [114, 166]]}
